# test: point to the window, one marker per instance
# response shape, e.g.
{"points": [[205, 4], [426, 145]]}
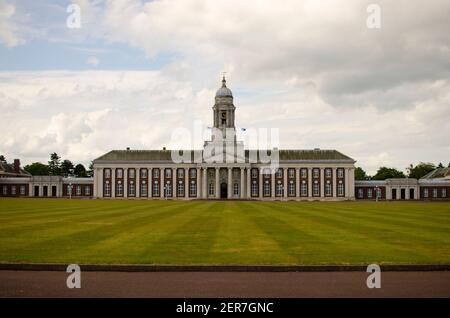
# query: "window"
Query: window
{"points": [[168, 173], [255, 173], [143, 173], [143, 188], [155, 187], [107, 189], [378, 193], [304, 189], [340, 173], [13, 190], [119, 189], [168, 189], [78, 190], [132, 189], [193, 189], [119, 173], [360, 193], [211, 189], [266, 190], [107, 173], [369, 193], [291, 173], [279, 189], [266, 172], [279, 173], [444, 193], [303, 172], [193, 173], [425, 193], [87, 190], [328, 173], [340, 189], [156, 173], [435, 192], [328, 189], [131, 173], [316, 173], [316, 190], [236, 189], [254, 189], [180, 189], [291, 189], [5, 190], [69, 189], [180, 173], [22, 190]]}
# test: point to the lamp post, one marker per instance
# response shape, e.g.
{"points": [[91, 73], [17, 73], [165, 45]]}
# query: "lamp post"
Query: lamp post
{"points": [[70, 187]]}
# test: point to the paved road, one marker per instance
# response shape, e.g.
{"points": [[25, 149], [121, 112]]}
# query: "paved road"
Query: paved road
{"points": [[224, 284]]}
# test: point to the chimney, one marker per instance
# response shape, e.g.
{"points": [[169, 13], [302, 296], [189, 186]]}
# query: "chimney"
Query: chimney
{"points": [[16, 165]]}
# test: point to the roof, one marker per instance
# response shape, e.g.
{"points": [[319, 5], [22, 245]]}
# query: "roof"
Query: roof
{"points": [[165, 155], [438, 173], [7, 170]]}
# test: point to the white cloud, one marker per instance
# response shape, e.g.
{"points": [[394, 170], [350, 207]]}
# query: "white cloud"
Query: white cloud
{"points": [[8, 29], [92, 60]]}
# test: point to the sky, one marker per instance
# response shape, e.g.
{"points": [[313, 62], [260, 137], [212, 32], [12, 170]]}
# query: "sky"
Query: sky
{"points": [[135, 71]]}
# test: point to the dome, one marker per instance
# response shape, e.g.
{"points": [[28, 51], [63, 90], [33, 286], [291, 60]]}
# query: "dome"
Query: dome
{"points": [[224, 91]]}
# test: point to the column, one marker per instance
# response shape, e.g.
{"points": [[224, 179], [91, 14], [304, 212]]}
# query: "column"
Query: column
{"points": [[150, 182], [309, 182], [242, 185], [322, 182], [186, 182], [352, 183], [174, 183], [113, 183], [260, 177], [230, 183], [297, 181], [285, 183], [272, 185], [204, 186], [94, 194], [198, 183], [334, 178], [137, 180], [347, 181], [249, 189], [125, 182], [217, 190], [162, 180]]}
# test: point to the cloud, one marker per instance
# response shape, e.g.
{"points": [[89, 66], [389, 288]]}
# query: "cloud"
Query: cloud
{"points": [[92, 60], [8, 28]]}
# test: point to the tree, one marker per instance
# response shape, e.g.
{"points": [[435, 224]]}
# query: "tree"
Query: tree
{"points": [[420, 170], [2, 159], [384, 173], [37, 169], [80, 171], [54, 164], [66, 166], [360, 174], [90, 172]]}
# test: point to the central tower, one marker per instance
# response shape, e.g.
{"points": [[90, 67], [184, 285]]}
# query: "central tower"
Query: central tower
{"points": [[224, 111]]}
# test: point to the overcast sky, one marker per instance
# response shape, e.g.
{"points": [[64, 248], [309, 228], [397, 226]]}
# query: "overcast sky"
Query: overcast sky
{"points": [[136, 70]]}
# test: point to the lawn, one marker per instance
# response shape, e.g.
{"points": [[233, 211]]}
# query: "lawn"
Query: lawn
{"points": [[220, 232]]}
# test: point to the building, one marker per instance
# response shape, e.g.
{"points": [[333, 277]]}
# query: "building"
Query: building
{"points": [[224, 169], [230, 173]]}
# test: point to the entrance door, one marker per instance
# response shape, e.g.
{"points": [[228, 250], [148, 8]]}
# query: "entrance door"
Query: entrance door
{"points": [[223, 191], [45, 191], [394, 194], [53, 191], [36, 191], [411, 194], [403, 194]]}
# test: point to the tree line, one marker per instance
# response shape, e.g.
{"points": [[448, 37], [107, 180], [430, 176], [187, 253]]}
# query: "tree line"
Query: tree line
{"points": [[56, 167], [383, 173]]}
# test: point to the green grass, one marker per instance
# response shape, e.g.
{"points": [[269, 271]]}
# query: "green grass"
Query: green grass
{"points": [[220, 232]]}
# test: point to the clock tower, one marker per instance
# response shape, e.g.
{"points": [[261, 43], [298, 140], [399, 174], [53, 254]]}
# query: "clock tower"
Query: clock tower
{"points": [[224, 111]]}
